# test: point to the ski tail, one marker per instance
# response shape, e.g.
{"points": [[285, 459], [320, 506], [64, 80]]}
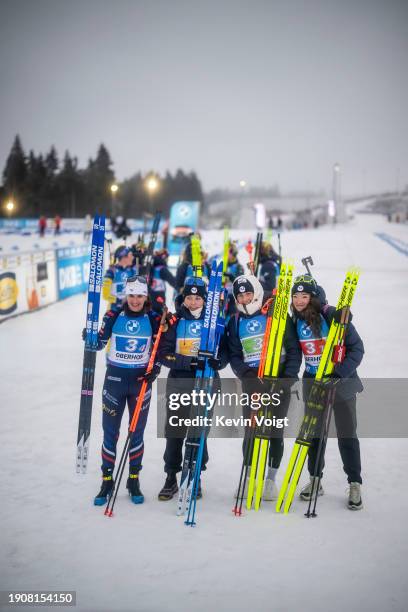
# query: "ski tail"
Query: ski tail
{"points": [[196, 257]]}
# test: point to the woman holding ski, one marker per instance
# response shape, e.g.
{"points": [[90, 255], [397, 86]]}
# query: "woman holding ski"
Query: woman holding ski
{"points": [[312, 318]]}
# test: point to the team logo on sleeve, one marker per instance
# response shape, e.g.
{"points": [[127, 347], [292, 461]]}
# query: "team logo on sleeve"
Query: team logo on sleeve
{"points": [[132, 326]]}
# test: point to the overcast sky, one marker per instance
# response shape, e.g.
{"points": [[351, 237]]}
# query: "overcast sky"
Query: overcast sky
{"points": [[262, 90]]}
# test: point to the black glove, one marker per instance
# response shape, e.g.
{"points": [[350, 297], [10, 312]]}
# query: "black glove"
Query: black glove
{"points": [[84, 334], [151, 376], [320, 388], [214, 363], [197, 363], [252, 383], [250, 373], [337, 316]]}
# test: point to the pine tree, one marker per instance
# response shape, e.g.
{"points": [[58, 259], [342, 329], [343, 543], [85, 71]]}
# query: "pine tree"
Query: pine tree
{"points": [[99, 177], [15, 174]]}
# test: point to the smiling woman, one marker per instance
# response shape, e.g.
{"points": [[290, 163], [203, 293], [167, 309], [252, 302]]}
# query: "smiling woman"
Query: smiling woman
{"points": [[128, 332]]}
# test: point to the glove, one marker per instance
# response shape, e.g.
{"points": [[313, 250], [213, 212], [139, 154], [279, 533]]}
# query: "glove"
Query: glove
{"points": [[320, 388], [151, 376], [171, 319], [197, 363], [84, 334], [337, 316], [253, 384], [250, 373], [214, 363]]}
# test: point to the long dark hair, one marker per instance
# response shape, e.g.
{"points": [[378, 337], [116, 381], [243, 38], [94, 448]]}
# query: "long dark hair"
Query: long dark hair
{"points": [[311, 314]]}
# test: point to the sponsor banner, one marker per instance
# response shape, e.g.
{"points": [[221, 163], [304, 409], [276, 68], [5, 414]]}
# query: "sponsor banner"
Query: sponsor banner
{"points": [[27, 282], [73, 270]]}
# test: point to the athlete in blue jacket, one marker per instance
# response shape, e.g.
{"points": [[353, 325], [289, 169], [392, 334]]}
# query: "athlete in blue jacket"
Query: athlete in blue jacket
{"points": [[312, 319], [113, 290], [130, 332], [160, 275]]}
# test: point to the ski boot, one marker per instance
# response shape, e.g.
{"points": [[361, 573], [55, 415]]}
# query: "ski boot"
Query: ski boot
{"points": [[199, 491], [354, 501], [106, 489], [270, 492], [306, 492], [170, 487], [133, 486]]}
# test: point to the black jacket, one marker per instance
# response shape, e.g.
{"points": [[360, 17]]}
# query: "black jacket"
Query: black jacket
{"points": [[181, 365]]}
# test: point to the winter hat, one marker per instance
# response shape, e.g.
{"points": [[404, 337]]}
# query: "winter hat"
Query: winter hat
{"points": [[136, 285], [194, 285], [305, 284], [250, 283], [242, 284], [122, 251]]}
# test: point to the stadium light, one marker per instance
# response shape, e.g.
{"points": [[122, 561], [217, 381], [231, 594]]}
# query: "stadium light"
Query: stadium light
{"points": [[152, 184], [10, 206]]}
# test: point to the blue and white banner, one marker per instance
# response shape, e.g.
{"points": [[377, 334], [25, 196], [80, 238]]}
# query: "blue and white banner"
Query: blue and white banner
{"points": [[72, 270]]}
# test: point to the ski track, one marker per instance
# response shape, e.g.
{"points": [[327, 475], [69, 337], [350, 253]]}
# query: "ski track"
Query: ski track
{"points": [[145, 558]]}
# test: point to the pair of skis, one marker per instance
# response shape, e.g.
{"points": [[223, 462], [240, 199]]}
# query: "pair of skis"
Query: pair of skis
{"points": [[258, 439], [212, 330], [91, 341], [318, 412]]}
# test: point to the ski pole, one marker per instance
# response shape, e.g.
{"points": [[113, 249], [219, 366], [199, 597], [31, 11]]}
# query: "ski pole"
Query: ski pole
{"points": [[306, 261], [249, 248], [344, 320], [135, 417], [320, 455]]}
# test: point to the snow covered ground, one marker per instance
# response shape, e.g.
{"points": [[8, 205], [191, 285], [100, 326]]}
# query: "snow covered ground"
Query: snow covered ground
{"points": [[145, 558]]}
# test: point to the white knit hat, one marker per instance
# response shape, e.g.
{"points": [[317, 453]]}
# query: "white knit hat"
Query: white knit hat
{"points": [[136, 285]]}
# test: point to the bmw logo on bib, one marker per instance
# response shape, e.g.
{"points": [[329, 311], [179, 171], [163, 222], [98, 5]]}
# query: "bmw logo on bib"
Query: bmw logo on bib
{"points": [[195, 328], [133, 327], [253, 326], [306, 332]]}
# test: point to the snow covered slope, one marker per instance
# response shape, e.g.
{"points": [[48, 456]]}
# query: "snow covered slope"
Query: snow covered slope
{"points": [[144, 558]]}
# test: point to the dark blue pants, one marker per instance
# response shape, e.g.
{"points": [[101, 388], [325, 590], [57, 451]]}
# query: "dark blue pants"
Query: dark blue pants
{"points": [[346, 425], [121, 388]]}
